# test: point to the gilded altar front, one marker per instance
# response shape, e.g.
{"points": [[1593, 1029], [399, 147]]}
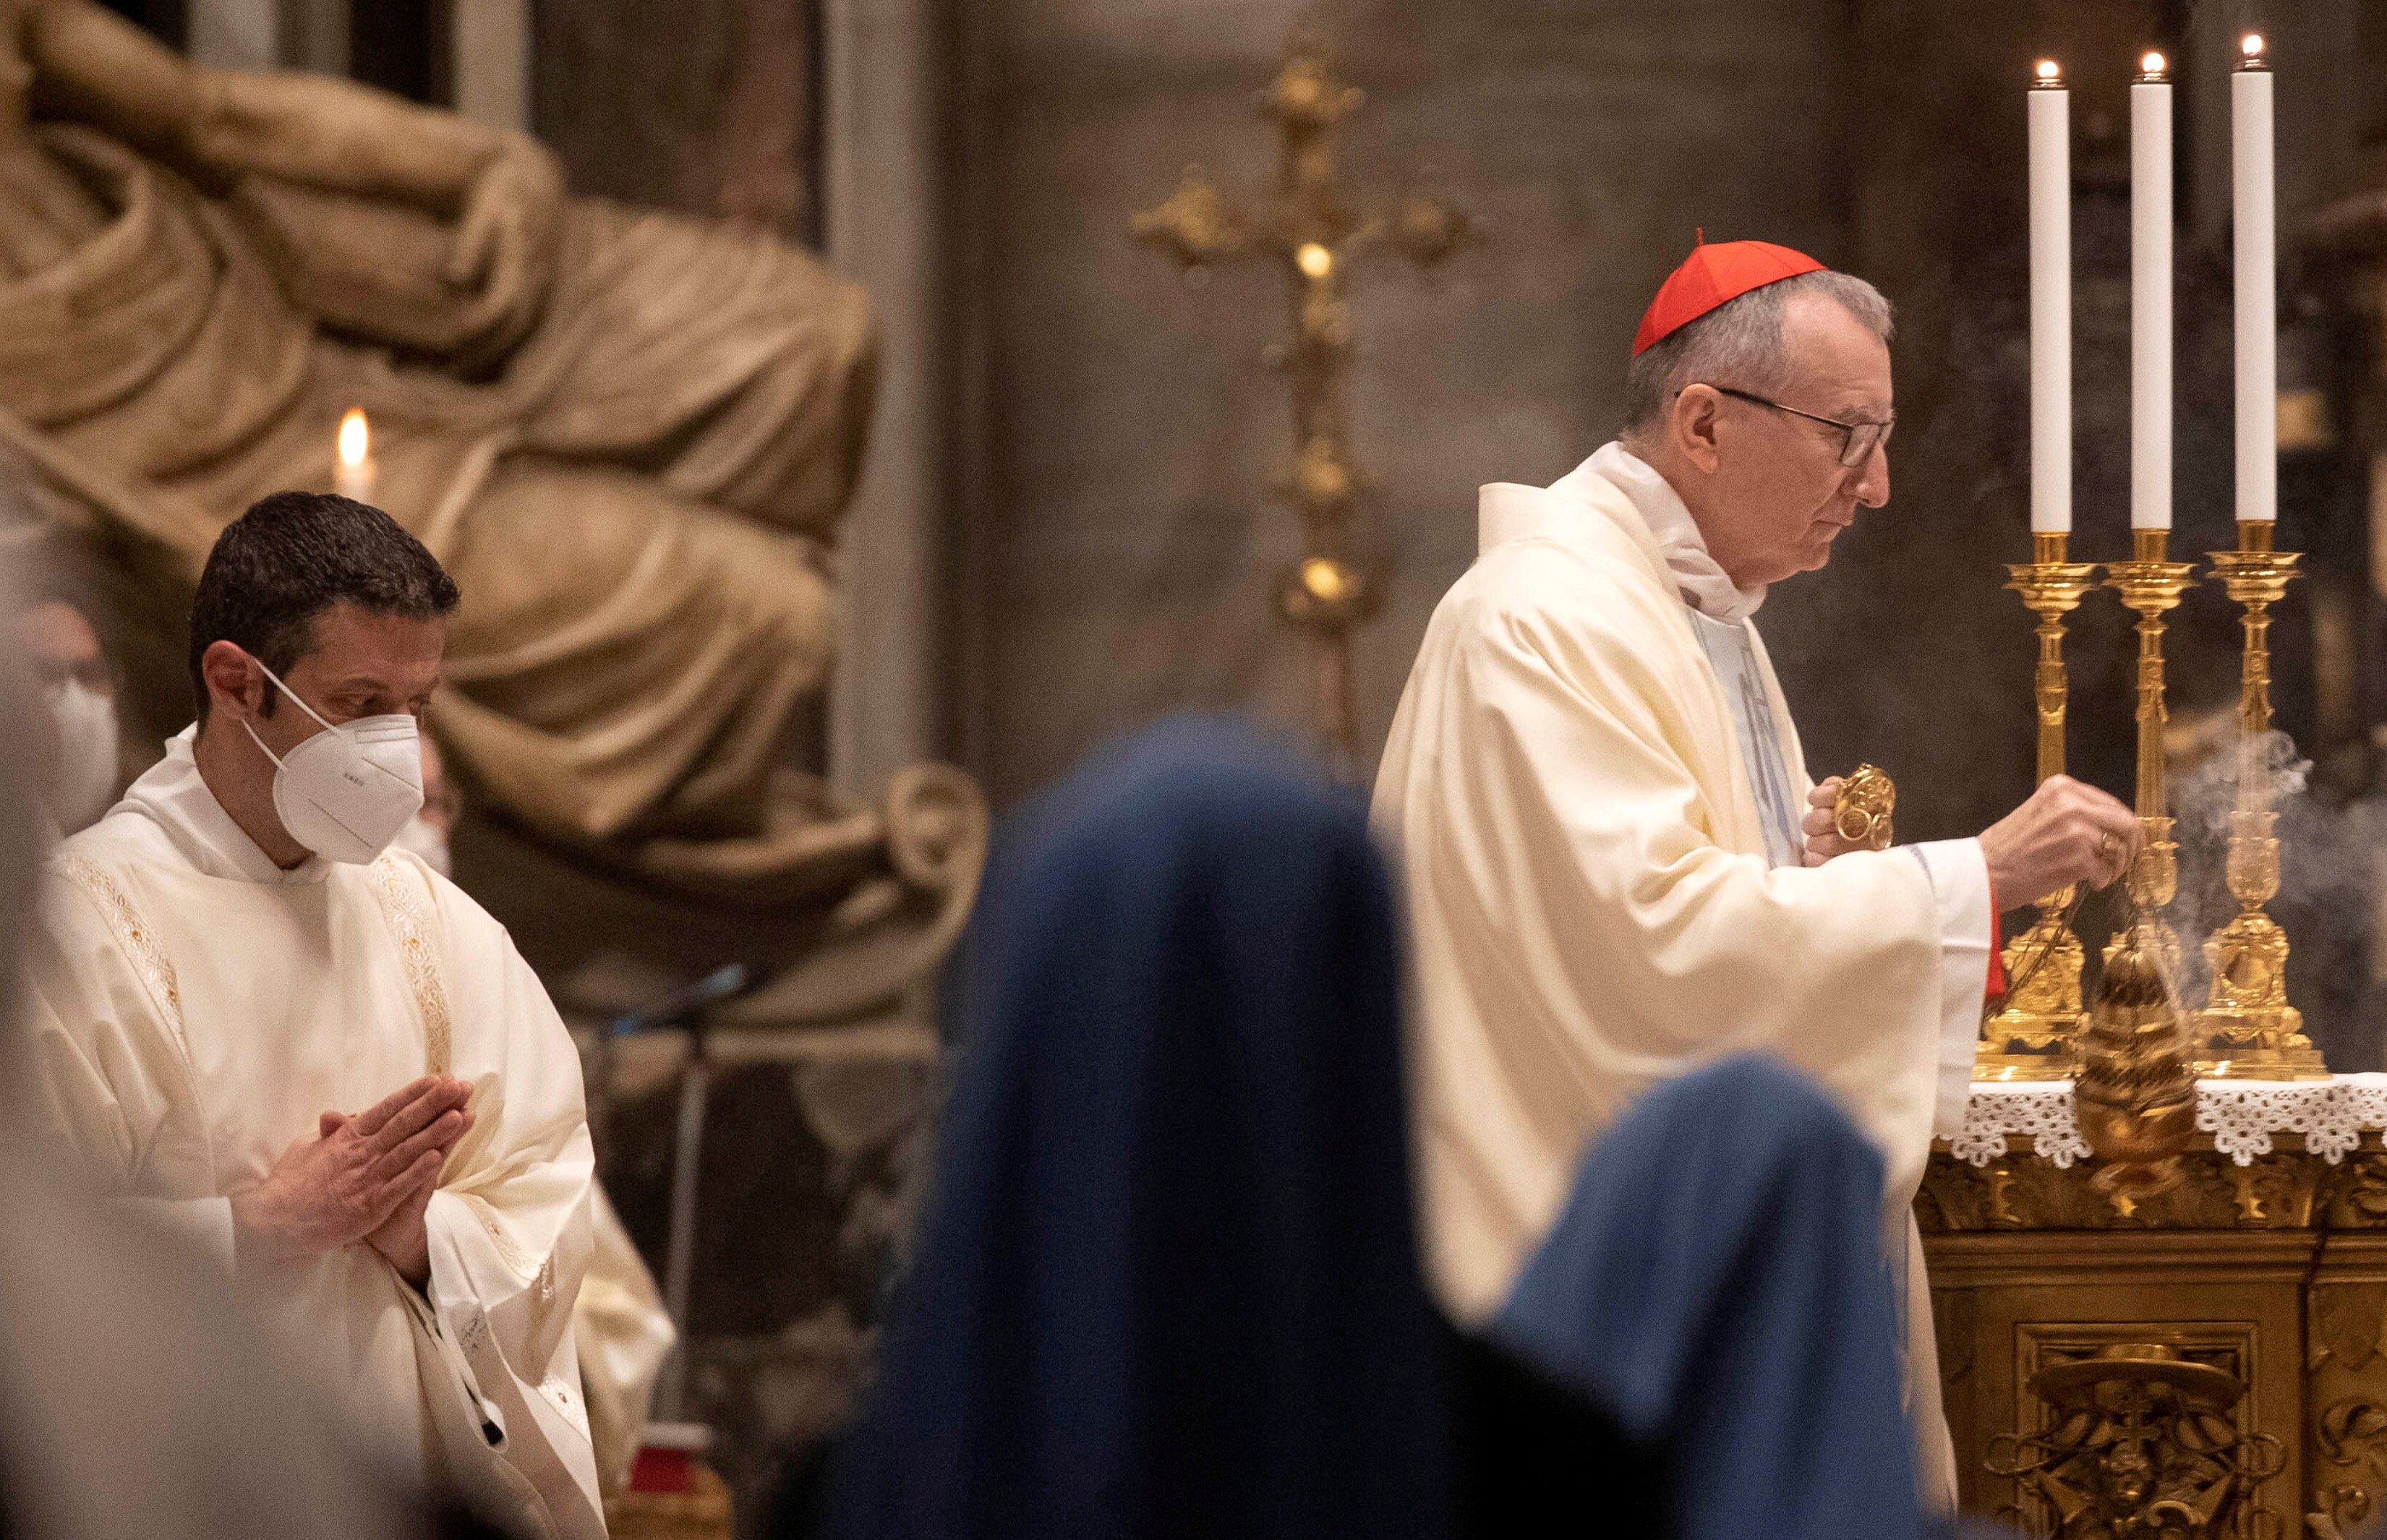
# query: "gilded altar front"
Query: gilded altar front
{"points": [[2248, 1305]]}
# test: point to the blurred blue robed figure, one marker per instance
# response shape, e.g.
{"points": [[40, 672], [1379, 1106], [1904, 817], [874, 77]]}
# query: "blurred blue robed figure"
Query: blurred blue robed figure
{"points": [[1168, 1282]]}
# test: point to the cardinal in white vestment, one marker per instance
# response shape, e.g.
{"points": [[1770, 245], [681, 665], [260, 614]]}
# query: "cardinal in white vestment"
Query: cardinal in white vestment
{"points": [[314, 1054], [1616, 864]]}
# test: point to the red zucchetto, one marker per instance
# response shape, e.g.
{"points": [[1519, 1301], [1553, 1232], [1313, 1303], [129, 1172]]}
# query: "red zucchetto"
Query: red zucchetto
{"points": [[1713, 274]]}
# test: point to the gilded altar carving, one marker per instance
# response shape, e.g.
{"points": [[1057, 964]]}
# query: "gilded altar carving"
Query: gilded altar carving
{"points": [[2273, 1272], [2346, 1322], [2357, 1195], [2281, 1190], [2139, 1439], [2351, 1434], [2346, 1371]]}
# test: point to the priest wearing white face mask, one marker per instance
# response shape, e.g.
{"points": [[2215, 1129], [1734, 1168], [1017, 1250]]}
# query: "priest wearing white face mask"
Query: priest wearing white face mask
{"points": [[311, 1052]]}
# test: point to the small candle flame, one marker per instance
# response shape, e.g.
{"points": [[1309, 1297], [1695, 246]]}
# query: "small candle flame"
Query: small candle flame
{"points": [[356, 439], [2049, 71], [1315, 259], [1322, 579], [2152, 64], [2251, 44]]}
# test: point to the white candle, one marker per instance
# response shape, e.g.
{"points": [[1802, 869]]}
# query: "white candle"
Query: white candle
{"points": [[2257, 269], [354, 473], [2151, 297], [2051, 303]]}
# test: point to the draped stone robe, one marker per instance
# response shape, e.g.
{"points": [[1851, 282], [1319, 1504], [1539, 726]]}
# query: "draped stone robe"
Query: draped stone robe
{"points": [[194, 1009], [1597, 840]]}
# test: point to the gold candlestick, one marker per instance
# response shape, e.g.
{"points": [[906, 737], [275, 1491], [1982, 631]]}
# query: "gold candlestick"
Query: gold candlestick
{"points": [[2037, 1035], [2247, 1030], [2151, 584]]}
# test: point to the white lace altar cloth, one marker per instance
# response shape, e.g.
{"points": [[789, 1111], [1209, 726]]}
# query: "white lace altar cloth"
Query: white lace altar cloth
{"points": [[2242, 1116]]}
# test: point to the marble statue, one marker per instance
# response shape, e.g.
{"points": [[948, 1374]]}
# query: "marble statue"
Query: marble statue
{"points": [[629, 434]]}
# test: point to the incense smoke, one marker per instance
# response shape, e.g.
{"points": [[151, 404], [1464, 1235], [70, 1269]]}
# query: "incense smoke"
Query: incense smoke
{"points": [[2328, 858]]}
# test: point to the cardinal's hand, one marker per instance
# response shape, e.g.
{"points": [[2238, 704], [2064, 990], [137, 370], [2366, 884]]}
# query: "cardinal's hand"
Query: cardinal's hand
{"points": [[2065, 833], [1823, 839]]}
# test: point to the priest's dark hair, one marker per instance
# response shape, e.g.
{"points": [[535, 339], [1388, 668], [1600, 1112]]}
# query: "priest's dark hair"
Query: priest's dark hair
{"points": [[293, 556]]}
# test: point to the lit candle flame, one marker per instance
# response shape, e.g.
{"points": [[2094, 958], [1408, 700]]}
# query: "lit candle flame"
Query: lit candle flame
{"points": [[1315, 259], [1322, 579], [2251, 44], [2049, 71], [2152, 64], [356, 439]]}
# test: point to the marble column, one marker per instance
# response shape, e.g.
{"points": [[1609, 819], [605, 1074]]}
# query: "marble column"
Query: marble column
{"points": [[314, 35], [489, 55], [879, 144], [235, 34]]}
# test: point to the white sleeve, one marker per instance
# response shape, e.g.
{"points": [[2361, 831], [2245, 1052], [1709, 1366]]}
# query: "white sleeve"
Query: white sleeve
{"points": [[1960, 884]]}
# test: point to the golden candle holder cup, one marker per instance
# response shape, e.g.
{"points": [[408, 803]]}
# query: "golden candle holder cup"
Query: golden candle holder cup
{"points": [[2248, 1030], [2036, 1033]]}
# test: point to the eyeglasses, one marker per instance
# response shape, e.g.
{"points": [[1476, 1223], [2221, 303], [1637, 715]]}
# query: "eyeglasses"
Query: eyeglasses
{"points": [[1861, 438]]}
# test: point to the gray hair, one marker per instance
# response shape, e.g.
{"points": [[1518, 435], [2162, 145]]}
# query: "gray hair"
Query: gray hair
{"points": [[1739, 344]]}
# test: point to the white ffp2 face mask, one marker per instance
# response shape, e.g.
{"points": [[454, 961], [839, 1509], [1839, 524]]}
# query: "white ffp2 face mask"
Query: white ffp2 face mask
{"points": [[86, 783], [346, 792]]}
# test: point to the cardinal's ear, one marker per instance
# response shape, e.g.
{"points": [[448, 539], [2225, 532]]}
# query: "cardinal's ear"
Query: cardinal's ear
{"points": [[1698, 415]]}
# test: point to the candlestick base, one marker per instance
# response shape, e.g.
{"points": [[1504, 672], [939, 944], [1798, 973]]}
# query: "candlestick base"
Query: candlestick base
{"points": [[2037, 1035], [2247, 1030]]}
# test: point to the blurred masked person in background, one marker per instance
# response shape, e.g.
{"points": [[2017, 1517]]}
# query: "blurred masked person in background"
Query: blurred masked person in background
{"points": [[78, 684]]}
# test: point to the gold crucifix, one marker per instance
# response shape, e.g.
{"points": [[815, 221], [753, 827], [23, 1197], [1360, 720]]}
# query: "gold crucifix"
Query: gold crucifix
{"points": [[1306, 226]]}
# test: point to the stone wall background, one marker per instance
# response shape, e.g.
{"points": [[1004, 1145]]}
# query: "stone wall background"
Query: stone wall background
{"points": [[709, 107]]}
